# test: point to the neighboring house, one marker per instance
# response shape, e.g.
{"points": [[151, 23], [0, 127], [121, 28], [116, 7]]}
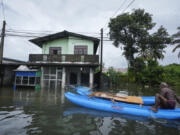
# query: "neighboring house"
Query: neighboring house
{"points": [[10, 60], [6, 70], [67, 58]]}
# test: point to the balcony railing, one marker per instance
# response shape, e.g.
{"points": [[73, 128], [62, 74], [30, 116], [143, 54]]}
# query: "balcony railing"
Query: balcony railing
{"points": [[94, 59]]}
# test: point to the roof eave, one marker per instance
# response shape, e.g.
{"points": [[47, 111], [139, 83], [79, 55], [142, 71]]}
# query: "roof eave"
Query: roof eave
{"points": [[41, 40]]}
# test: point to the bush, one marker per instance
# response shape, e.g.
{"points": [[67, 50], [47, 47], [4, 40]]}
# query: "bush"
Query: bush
{"points": [[172, 74], [116, 78], [146, 73]]}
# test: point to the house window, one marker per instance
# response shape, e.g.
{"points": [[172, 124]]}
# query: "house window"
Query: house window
{"points": [[55, 50], [80, 49]]}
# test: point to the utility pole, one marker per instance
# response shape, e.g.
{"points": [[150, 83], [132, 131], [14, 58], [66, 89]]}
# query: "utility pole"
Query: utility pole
{"points": [[2, 41], [101, 60], [1, 53]]}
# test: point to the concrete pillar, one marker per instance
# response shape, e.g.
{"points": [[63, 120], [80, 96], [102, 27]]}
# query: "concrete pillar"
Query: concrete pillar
{"points": [[68, 77], [79, 78], [91, 77], [63, 78], [42, 77], [62, 96]]}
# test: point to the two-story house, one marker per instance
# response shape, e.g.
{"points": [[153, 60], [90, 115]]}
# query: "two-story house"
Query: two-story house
{"points": [[67, 58]]}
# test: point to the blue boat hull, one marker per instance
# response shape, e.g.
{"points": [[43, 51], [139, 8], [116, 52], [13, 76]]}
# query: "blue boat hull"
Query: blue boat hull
{"points": [[122, 108], [86, 91]]}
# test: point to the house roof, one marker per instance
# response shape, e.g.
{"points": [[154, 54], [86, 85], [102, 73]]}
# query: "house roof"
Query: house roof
{"points": [[41, 40], [24, 68], [10, 60]]}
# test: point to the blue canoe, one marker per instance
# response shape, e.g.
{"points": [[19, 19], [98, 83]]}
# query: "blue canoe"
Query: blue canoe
{"points": [[122, 108], [86, 91]]}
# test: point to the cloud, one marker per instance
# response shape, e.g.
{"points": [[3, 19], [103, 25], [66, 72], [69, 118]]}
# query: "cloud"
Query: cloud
{"points": [[170, 57], [80, 16], [113, 56]]}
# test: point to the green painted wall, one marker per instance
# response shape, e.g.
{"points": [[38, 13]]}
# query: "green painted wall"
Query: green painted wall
{"points": [[56, 43], [67, 45], [78, 41]]}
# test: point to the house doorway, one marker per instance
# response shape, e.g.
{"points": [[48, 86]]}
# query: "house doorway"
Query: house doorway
{"points": [[85, 79], [73, 78]]}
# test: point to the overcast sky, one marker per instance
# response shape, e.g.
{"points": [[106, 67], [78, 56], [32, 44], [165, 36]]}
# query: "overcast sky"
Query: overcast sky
{"points": [[81, 16]]}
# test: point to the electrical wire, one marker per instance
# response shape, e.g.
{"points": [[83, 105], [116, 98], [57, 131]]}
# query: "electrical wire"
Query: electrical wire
{"points": [[128, 6], [39, 32], [18, 33], [122, 10], [33, 36], [115, 12], [36, 34]]}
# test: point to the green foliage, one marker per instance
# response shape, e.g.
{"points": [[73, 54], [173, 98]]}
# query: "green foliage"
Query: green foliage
{"points": [[139, 67], [147, 72], [172, 74], [154, 73], [141, 47], [176, 41], [157, 42], [131, 30], [115, 78]]}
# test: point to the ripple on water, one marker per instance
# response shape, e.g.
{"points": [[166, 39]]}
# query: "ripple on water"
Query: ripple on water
{"points": [[14, 122]]}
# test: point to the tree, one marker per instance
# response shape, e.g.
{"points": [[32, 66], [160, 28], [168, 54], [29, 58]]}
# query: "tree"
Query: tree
{"points": [[131, 30], [154, 73], [139, 67], [157, 42], [176, 41]]}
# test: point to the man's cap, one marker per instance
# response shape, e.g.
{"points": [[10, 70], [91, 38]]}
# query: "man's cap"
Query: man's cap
{"points": [[163, 85]]}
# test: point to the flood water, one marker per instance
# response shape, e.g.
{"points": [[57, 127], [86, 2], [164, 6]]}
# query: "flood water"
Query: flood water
{"points": [[48, 112]]}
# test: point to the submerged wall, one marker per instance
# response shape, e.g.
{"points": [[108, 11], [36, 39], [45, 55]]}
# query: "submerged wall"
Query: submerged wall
{"points": [[8, 76]]}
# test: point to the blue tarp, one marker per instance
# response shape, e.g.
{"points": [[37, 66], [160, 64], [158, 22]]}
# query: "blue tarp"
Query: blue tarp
{"points": [[26, 73]]}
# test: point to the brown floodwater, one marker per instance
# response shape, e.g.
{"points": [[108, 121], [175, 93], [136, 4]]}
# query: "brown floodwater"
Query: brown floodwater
{"points": [[48, 112]]}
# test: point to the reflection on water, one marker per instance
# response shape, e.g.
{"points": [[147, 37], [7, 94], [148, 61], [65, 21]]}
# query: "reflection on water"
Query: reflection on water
{"points": [[14, 122], [48, 112]]}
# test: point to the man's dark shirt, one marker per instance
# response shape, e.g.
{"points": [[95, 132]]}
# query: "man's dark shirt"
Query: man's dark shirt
{"points": [[168, 93]]}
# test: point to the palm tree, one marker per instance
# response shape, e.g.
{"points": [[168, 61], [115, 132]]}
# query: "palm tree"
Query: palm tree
{"points": [[176, 37], [156, 43]]}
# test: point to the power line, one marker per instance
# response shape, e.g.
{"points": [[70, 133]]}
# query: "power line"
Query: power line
{"points": [[46, 31], [122, 10], [42, 33], [33, 36], [24, 36], [28, 33], [115, 12], [36, 34], [119, 8], [17, 33], [128, 6]]}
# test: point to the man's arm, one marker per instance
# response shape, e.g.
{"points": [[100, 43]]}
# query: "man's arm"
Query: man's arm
{"points": [[163, 92], [178, 99]]}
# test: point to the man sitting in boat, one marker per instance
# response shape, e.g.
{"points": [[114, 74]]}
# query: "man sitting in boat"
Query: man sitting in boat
{"points": [[166, 99]]}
